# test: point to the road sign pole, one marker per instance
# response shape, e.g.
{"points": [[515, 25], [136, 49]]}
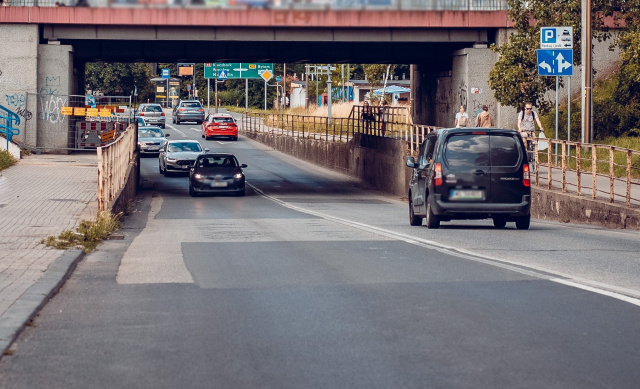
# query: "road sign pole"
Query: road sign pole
{"points": [[246, 95], [209, 94], [569, 112], [265, 95], [556, 151], [329, 91]]}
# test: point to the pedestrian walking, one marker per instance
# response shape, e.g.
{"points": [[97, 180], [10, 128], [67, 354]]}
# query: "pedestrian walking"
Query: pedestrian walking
{"points": [[484, 118], [367, 117], [462, 118]]}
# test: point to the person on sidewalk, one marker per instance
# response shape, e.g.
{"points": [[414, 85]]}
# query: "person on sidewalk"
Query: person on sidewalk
{"points": [[462, 118], [484, 118]]}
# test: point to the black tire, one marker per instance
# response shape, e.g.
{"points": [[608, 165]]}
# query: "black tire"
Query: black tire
{"points": [[242, 192], [163, 126], [523, 222], [413, 219], [161, 170], [205, 138], [192, 192], [433, 221], [235, 138], [499, 222], [176, 121]]}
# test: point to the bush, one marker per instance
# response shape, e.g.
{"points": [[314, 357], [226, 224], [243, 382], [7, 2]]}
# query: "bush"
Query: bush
{"points": [[6, 160]]}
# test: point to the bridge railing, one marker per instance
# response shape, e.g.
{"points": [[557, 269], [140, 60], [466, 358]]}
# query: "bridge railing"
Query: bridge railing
{"points": [[113, 165], [364, 5]]}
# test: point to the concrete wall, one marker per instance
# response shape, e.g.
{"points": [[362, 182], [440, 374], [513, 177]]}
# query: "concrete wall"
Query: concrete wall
{"points": [[18, 74], [380, 163]]}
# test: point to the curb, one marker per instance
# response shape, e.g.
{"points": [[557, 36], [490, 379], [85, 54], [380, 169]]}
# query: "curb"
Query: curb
{"points": [[14, 319]]}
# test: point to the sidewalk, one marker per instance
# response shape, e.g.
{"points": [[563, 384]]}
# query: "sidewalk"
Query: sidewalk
{"points": [[41, 195]]}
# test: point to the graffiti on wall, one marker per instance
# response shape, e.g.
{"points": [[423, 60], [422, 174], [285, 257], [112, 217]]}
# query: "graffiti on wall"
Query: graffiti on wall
{"points": [[50, 108], [51, 86], [17, 102], [462, 95]]}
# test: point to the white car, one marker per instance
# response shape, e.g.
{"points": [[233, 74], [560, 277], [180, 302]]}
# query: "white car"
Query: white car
{"points": [[178, 156]]}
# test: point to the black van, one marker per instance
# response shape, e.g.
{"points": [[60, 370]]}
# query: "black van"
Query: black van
{"points": [[471, 173]]}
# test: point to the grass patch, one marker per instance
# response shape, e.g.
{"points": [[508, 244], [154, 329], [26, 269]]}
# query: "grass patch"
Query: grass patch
{"points": [[6, 160], [88, 234]]}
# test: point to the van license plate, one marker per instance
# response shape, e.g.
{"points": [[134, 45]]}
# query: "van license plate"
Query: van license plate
{"points": [[466, 194]]}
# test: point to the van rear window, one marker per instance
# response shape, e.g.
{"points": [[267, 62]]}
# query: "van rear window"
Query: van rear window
{"points": [[467, 150], [504, 151]]}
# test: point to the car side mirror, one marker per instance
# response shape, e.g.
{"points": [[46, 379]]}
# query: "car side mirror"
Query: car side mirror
{"points": [[166, 135], [244, 165], [411, 162], [206, 150]]}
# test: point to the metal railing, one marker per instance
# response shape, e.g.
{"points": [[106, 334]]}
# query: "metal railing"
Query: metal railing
{"points": [[7, 120], [601, 171], [113, 165], [361, 5]]}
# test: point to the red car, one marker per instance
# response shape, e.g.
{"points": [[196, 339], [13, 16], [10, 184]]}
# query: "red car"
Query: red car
{"points": [[220, 124]]}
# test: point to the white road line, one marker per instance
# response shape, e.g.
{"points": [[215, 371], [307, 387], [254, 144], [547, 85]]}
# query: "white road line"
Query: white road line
{"points": [[176, 130], [526, 269]]}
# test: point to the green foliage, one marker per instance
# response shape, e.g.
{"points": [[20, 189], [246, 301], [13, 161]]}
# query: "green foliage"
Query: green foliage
{"points": [[88, 234], [376, 74], [120, 79], [6, 159], [514, 78]]}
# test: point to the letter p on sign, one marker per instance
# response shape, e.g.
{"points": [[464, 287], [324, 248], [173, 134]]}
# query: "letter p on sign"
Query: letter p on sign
{"points": [[549, 35]]}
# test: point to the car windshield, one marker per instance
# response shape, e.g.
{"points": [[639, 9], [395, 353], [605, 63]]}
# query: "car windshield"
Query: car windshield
{"points": [[179, 147], [222, 120], [152, 108], [193, 104], [218, 161], [150, 133]]}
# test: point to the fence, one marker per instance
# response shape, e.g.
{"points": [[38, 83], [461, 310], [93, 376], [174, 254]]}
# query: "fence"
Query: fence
{"points": [[405, 5], [113, 164], [57, 120], [391, 122], [7, 120]]}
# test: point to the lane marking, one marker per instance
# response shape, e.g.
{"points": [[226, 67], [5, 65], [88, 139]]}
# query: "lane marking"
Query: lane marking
{"points": [[533, 271]]}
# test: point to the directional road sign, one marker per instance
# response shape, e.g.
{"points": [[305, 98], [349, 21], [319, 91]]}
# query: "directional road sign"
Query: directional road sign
{"points": [[236, 70], [555, 62], [556, 38]]}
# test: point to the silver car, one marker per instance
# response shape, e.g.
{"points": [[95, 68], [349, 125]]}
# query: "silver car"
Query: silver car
{"points": [[152, 114], [177, 156], [188, 110], [151, 139]]}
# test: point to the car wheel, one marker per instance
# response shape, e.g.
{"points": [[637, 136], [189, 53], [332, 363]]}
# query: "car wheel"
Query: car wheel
{"points": [[413, 219], [523, 222], [432, 220], [192, 192], [205, 138], [235, 138], [163, 126], [499, 222], [242, 192]]}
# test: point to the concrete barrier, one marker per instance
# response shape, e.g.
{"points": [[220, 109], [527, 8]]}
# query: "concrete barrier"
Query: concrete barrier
{"points": [[380, 163]]}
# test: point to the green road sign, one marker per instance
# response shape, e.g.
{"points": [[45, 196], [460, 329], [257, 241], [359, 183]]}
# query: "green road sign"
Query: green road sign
{"points": [[236, 70]]}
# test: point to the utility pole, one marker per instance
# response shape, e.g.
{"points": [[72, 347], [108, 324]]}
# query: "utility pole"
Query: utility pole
{"points": [[329, 90], [587, 136]]}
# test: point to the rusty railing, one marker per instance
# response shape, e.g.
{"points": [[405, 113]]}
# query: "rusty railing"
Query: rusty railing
{"points": [[113, 163]]}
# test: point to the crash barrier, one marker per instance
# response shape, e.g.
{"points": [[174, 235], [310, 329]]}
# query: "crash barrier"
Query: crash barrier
{"points": [[90, 135], [114, 162], [360, 5], [392, 122], [8, 119]]}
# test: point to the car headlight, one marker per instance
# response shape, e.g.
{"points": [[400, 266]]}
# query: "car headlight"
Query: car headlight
{"points": [[198, 176], [170, 159], [238, 176]]}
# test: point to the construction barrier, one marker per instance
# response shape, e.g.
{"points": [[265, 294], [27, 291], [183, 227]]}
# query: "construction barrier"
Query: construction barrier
{"points": [[90, 135]]}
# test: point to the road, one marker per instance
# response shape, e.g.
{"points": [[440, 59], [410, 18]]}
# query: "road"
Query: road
{"points": [[312, 281]]}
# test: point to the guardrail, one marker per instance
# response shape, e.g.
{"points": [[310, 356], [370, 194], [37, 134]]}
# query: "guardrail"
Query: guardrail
{"points": [[113, 163], [363, 5]]}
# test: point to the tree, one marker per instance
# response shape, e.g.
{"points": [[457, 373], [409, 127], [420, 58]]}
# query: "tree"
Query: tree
{"points": [[514, 78], [377, 73], [119, 79]]}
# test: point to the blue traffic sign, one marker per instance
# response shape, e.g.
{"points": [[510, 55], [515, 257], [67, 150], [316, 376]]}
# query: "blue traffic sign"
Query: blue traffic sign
{"points": [[222, 75], [555, 62], [166, 73], [278, 78]]}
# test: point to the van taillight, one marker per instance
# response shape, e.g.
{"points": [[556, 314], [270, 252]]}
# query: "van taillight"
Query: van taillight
{"points": [[141, 114], [526, 177], [162, 114], [437, 177]]}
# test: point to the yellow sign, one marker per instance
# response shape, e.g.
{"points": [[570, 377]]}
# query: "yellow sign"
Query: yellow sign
{"points": [[252, 66], [161, 96], [66, 111], [109, 135], [79, 111], [159, 89], [105, 113], [92, 111], [266, 75]]}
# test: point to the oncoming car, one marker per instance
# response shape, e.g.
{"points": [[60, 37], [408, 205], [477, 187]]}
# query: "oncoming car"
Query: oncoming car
{"points": [[151, 139], [217, 173], [470, 173], [178, 156], [220, 125]]}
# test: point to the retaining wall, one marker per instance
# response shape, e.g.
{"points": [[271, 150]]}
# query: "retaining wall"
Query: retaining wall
{"points": [[380, 163]]}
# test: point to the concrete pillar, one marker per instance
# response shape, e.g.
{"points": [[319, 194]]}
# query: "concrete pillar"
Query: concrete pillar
{"points": [[424, 87], [55, 83]]}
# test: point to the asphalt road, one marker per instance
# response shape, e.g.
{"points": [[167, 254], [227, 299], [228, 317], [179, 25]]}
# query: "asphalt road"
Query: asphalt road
{"points": [[311, 281]]}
